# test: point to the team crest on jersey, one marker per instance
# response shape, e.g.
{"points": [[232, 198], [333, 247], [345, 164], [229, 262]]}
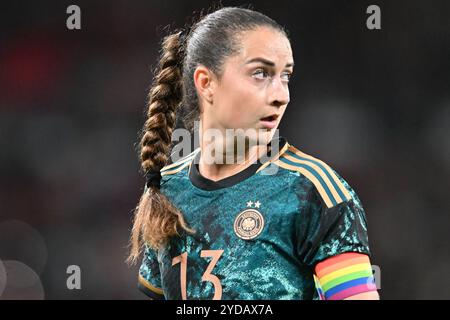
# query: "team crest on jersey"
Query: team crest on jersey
{"points": [[249, 223]]}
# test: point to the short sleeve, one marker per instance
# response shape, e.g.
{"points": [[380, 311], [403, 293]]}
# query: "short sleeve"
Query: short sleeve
{"points": [[150, 276], [324, 232]]}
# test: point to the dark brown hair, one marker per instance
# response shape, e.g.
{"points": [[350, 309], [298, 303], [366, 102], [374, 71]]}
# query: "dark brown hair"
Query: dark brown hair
{"points": [[208, 42]]}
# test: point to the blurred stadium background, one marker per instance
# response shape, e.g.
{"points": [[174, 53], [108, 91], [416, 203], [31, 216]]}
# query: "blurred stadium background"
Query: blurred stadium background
{"points": [[375, 105]]}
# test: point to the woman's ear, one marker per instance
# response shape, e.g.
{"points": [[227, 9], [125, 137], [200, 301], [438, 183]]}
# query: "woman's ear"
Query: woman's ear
{"points": [[204, 81]]}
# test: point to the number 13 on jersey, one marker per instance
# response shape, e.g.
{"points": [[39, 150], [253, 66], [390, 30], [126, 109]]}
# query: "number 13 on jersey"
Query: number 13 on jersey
{"points": [[207, 275]]}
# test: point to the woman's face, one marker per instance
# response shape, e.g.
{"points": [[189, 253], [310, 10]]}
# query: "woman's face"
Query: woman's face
{"points": [[253, 91]]}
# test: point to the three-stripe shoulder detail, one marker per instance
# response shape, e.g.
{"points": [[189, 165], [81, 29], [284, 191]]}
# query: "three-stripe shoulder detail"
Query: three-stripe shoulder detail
{"points": [[327, 183], [179, 165]]}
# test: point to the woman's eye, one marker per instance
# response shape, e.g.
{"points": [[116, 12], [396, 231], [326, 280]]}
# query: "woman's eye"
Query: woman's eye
{"points": [[260, 73], [287, 76]]}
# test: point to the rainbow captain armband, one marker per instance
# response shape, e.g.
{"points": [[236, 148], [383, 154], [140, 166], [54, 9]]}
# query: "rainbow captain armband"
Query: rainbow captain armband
{"points": [[344, 275]]}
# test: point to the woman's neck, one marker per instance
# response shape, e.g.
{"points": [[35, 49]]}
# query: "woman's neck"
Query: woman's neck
{"points": [[221, 169], [221, 157]]}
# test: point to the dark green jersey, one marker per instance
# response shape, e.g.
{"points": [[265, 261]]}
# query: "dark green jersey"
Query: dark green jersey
{"points": [[259, 233]]}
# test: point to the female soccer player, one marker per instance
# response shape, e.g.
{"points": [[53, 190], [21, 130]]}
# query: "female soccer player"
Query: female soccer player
{"points": [[288, 227]]}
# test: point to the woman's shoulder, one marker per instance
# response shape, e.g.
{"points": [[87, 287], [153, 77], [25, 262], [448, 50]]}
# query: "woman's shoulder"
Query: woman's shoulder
{"points": [[331, 187], [179, 164]]}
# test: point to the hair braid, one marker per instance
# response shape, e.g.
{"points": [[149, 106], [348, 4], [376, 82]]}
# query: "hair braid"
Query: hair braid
{"points": [[156, 219]]}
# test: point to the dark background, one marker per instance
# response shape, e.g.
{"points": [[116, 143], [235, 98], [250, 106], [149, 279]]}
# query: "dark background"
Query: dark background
{"points": [[374, 104]]}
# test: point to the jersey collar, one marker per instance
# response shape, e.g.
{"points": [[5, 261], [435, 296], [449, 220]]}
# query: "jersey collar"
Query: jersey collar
{"points": [[206, 184]]}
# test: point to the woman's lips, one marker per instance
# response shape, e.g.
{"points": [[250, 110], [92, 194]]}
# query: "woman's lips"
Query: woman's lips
{"points": [[269, 122]]}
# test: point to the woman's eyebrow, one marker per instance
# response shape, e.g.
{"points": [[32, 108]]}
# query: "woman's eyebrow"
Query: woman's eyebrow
{"points": [[267, 62]]}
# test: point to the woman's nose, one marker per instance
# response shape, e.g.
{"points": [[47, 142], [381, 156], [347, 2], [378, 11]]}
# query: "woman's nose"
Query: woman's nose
{"points": [[278, 92]]}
